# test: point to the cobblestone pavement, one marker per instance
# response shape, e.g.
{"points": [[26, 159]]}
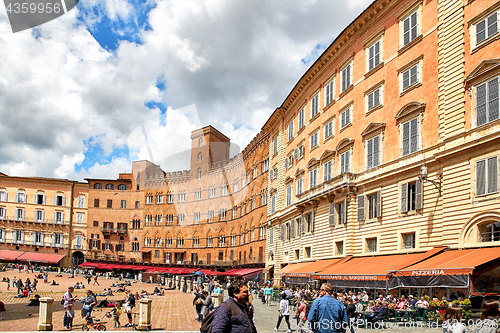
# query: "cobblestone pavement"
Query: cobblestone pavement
{"points": [[172, 312]]}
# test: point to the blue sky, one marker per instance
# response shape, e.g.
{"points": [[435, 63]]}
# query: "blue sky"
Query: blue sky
{"points": [[77, 92]]}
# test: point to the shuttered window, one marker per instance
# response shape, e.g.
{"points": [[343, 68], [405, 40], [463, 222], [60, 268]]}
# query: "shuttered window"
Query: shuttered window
{"points": [[410, 77], [487, 176], [345, 117], [410, 137], [329, 93], [290, 131], [372, 152], [486, 28], [374, 56], [301, 118], [289, 195], [411, 196], [374, 99], [410, 28], [361, 207], [345, 162], [346, 78], [331, 215], [327, 171], [314, 106], [328, 129], [487, 102]]}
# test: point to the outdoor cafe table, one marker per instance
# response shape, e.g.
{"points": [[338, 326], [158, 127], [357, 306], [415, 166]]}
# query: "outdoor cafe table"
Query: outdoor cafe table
{"points": [[407, 313]]}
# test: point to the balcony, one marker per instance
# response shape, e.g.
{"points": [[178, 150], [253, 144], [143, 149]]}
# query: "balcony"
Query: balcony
{"points": [[33, 220], [114, 231]]}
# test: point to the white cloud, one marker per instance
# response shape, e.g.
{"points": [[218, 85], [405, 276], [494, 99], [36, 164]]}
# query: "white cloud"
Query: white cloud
{"points": [[235, 60]]}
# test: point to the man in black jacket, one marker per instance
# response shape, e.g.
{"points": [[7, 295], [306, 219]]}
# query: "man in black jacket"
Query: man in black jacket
{"points": [[234, 315], [381, 314]]}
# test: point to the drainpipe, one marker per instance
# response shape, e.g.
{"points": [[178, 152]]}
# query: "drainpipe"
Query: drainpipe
{"points": [[70, 232]]}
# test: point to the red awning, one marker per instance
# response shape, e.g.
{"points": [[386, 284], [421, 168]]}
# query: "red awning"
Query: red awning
{"points": [[88, 264], [305, 270], [209, 272], [253, 271], [10, 255], [41, 257], [234, 272]]}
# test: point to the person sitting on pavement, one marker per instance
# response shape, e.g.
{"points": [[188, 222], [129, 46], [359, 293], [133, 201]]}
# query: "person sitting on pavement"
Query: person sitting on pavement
{"points": [[54, 283], [34, 301]]}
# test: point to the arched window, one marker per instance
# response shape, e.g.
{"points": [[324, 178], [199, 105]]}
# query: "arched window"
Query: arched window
{"points": [[200, 157], [137, 205], [97, 186], [200, 142], [122, 187], [110, 186], [490, 232], [198, 174]]}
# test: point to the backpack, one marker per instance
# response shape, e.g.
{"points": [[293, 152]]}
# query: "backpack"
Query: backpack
{"points": [[62, 301], [308, 307], [208, 321]]}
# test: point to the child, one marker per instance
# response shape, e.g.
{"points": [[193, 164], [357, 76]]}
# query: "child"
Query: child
{"points": [[117, 311], [68, 317]]}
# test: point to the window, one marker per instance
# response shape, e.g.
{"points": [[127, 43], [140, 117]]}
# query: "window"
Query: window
{"points": [[136, 224], [374, 55], [3, 196], [262, 232], [39, 215], [314, 106], [57, 240], [80, 204], [200, 142], [40, 200], [159, 199], [487, 176], [346, 78], [345, 162], [198, 174], [373, 99], [372, 152], [410, 28], [409, 240], [235, 186], [410, 137], [411, 196], [225, 188], [169, 219], [265, 165], [313, 178], [299, 186], [211, 215], [196, 242], [341, 212], [371, 245], [149, 200], [487, 102], [290, 131], [410, 77], [147, 241], [78, 241], [21, 197], [271, 235], [222, 241], [137, 205], [223, 213], [486, 28], [158, 219], [148, 219], [307, 252], [18, 236], [302, 114], [2, 213], [374, 206], [210, 242], [328, 129], [233, 240], [135, 247], [79, 218], [345, 117], [170, 198], [97, 186], [181, 218], [168, 242], [198, 195], [339, 248], [289, 195], [110, 203], [182, 197], [123, 204], [19, 214], [327, 171], [275, 145], [235, 212], [180, 242], [211, 193], [329, 93], [122, 187], [157, 242], [197, 216], [110, 186], [263, 199], [200, 157], [490, 232], [273, 203], [314, 140], [289, 161]]}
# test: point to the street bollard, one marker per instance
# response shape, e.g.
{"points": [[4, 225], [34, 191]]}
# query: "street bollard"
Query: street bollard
{"points": [[216, 299], [145, 314], [45, 314]]}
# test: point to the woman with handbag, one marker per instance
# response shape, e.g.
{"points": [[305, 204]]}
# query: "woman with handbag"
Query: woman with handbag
{"points": [[198, 303], [128, 306]]}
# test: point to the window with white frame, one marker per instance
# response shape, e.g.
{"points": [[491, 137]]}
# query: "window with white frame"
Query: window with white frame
{"points": [[263, 199], [298, 153], [223, 214], [373, 99], [159, 199], [273, 203], [329, 92], [410, 137], [198, 174], [233, 240], [222, 241], [313, 178], [339, 248], [289, 161], [225, 189], [79, 218], [3, 196], [487, 176], [182, 197], [262, 232], [235, 212], [345, 162], [170, 198], [21, 197], [411, 196], [169, 219], [275, 145], [486, 28], [157, 242], [147, 241], [410, 77], [78, 242], [123, 204], [211, 193], [410, 28], [2, 213], [371, 244], [158, 219], [197, 195], [196, 242], [289, 195], [57, 240], [211, 215], [314, 106], [168, 242], [346, 78], [19, 214], [39, 215], [327, 170], [299, 186], [374, 55], [372, 152], [40, 200], [409, 240], [265, 165], [2, 235], [180, 241], [487, 102], [59, 200], [290, 130], [313, 140], [81, 202], [345, 117], [328, 129], [18, 236], [341, 211], [302, 119], [181, 218], [210, 241], [149, 200], [148, 219]]}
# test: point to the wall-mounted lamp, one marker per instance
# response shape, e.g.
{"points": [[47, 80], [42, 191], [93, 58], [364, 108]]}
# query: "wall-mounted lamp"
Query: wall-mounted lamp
{"points": [[424, 177]]}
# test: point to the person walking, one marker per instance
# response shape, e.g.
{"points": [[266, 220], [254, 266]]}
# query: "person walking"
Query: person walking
{"points": [[207, 303], [351, 313], [301, 314], [129, 305], [234, 315], [198, 303], [89, 302], [268, 293], [19, 286], [95, 280], [284, 311], [327, 314]]}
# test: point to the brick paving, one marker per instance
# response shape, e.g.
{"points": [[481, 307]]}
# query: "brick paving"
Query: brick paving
{"points": [[172, 312]]}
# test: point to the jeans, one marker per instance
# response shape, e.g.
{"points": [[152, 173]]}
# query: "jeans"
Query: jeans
{"points": [[287, 319]]}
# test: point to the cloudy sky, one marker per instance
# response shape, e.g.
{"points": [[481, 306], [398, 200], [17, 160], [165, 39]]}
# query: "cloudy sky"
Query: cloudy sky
{"points": [[86, 94]]}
